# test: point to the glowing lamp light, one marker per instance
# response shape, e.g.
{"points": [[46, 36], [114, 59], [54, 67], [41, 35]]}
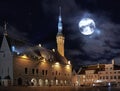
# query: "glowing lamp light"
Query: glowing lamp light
{"points": [[44, 60], [13, 48], [53, 50], [39, 45], [57, 63], [18, 53], [68, 67], [69, 62], [93, 85], [109, 84], [98, 81], [24, 56]]}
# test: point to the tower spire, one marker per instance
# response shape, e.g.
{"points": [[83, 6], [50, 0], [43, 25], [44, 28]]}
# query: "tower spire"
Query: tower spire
{"points": [[60, 21], [5, 29], [60, 38]]}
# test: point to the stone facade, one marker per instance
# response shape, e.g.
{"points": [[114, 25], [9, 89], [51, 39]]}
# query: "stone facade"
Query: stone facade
{"points": [[111, 75], [40, 72], [99, 75], [47, 68]]}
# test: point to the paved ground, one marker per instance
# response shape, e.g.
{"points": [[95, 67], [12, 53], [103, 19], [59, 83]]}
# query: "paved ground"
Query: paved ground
{"points": [[58, 88], [46, 88]]}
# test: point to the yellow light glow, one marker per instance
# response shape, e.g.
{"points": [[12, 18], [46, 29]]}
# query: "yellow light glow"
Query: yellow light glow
{"points": [[98, 81], [57, 63], [24, 56], [68, 67], [44, 60], [69, 62]]}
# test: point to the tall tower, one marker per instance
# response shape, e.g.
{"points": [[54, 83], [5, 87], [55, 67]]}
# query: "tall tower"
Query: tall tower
{"points": [[60, 38]]}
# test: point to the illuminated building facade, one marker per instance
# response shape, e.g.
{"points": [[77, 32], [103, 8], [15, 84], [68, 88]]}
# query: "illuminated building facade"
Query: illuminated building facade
{"points": [[99, 75], [48, 69], [111, 75], [36, 65]]}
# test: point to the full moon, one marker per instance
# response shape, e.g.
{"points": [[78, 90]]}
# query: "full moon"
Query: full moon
{"points": [[87, 26]]}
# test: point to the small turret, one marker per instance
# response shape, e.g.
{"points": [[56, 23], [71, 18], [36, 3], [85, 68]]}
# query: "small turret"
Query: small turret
{"points": [[113, 61], [98, 65], [5, 29]]}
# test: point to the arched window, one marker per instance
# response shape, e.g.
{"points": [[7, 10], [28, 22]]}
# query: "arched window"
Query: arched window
{"points": [[36, 71], [26, 71], [42, 72], [33, 71]]}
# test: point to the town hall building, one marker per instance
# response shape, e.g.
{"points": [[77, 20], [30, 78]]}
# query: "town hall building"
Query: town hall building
{"points": [[35, 65]]}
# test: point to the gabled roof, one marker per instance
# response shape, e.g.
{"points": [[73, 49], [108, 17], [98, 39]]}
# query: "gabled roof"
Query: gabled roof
{"points": [[36, 51], [49, 55], [98, 67], [17, 43], [74, 72]]}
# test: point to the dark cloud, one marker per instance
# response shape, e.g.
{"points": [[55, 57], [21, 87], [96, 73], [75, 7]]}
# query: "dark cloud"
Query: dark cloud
{"points": [[14, 33], [37, 21], [82, 49]]}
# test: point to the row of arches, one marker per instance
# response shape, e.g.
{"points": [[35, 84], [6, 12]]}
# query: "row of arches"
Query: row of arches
{"points": [[41, 82], [47, 82]]}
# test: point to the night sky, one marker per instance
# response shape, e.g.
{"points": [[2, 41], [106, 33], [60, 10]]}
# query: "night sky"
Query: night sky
{"points": [[36, 21]]}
